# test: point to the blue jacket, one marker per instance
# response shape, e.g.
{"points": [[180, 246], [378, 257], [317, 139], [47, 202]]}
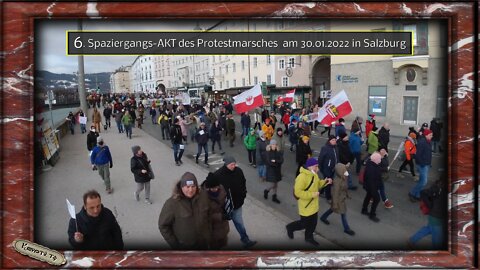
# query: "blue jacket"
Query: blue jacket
{"points": [[423, 156], [339, 129], [355, 143], [327, 160], [101, 155]]}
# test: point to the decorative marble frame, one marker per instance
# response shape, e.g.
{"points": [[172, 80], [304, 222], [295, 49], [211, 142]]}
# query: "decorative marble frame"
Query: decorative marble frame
{"points": [[18, 129]]}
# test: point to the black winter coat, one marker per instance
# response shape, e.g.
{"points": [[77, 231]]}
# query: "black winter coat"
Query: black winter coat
{"points": [[92, 140], [373, 177], [383, 138], [215, 132], [327, 160], [274, 169], [303, 150], [99, 233], [107, 112], [137, 164], [261, 147], [235, 182], [202, 137], [176, 134], [344, 153]]}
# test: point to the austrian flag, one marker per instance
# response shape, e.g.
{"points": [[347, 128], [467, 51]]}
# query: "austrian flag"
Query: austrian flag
{"points": [[287, 98], [248, 100], [335, 108]]}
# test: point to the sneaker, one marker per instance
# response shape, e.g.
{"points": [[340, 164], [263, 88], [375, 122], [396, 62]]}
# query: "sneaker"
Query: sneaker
{"points": [[289, 233], [137, 196], [325, 221], [250, 244], [349, 232], [374, 218], [388, 204], [147, 201], [312, 241], [274, 198]]}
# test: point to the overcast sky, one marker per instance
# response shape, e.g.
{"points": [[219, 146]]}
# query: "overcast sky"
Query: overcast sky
{"points": [[50, 42]]}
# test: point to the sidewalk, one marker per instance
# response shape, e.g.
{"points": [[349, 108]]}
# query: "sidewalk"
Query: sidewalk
{"points": [[72, 176]]}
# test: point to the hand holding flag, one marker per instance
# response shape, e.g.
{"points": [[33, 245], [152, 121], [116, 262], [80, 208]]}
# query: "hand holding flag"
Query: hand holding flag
{"points": [[71, 211]]}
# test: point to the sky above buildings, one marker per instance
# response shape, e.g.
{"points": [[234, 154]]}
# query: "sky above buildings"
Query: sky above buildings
{"points": [[50, 39]]}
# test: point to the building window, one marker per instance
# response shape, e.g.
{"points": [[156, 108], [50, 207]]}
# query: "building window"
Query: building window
{"points": [[291, 62], [281, 64], [234, 83], [228, 84], [269, 59], [255, 80], [255, 62], [234, 67], [269, 79], [226, 69], [243, 65], [410, 110], [213, 71], [243, 81], [221, 85], [413, 28], [377, 100], [284, 81]]}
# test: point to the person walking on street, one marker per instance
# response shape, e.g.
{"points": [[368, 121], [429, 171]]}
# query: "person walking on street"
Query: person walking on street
{"points": [[370, 124], [304, 152], [384, 136], [435, 197], [215, 136], [372, 184], [95, 227], [220, 227], [83, 128], [355, 143], [278, 136], [357, 124], [372, 141], [292, 135], [261, 147], [101, 160], [92, 138], [177, 138], [141, 169], [107, 112], [164, 125], [128, 123], [118, 120], [96, 119], [327, 159], [153, 114], [250, 143], [257, 118], [307, 186], [345, 156], [267, 129], [286, 121], [184, 220], [436, 128], [233, 180], [410, 151], [274, 161], [71, 122], [245, 121], [202, 142], [230, 129], [141, 113], [340, 128], [384, 163], [423, 159], [339, 198]]}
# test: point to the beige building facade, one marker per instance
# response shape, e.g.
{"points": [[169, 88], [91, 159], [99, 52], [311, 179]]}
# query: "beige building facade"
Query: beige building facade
{"points": [[120, 80]]}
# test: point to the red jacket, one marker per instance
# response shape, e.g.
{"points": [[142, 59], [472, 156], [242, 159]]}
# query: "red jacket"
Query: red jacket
{"points": [[286, 119]]}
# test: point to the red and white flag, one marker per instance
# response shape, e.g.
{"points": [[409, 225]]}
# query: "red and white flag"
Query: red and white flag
{"points": [[248, 100], [335, 108], [287, 98]]}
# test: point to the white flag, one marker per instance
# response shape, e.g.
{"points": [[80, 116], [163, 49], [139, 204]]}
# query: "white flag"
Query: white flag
{"points": [[71, 209]]}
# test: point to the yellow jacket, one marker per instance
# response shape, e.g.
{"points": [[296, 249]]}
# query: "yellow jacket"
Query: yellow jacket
{"points": [[307, 202], [268, 131]]}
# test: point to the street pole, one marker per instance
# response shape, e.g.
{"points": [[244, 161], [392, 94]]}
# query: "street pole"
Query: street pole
{"points": [[50, 100], [81, 79]]}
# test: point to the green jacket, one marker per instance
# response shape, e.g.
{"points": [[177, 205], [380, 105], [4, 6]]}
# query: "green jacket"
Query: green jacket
{"points": [[372, 142], [250, 140], [127, 120]]}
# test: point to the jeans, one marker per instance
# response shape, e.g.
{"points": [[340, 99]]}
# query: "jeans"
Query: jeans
{"points": [[245, 130], [154, 118], [108, 122], [422, 182], [119, 126], [141, 186], [177, 152], [83, 128], [165, 132], [434, 228], [219, 144], [262, 171], [349, 181], [308, 223], [381, 191], [199, 151], [72, 128], [128, 131], [238, 222], [344, 218], [358, 159], [104, 172], [252, 157]]}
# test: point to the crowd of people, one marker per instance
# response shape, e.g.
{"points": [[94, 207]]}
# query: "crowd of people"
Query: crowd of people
{"points": [[196, 215]]}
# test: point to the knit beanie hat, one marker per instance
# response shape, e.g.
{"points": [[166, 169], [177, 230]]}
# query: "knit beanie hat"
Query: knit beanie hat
{"points": [[212, 181], [273, 142], [99, 139], [331, 137], [188, 179], [311, 162], [135, 149], [229, 159]]}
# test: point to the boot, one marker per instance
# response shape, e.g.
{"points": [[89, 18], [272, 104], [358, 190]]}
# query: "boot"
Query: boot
{"points": [[265, 194], [274, 198]]}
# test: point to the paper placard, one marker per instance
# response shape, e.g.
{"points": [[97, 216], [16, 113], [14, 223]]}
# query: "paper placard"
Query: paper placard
{"points": [[182, 146]]}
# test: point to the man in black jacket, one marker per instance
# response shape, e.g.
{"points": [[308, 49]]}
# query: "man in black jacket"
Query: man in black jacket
{"points": [[92, 138], [95, 226], [327, 159], [107, 112], [345, 155], [232, 179], [384, 136], [141, 169], [202, 140], [177, 138], [372, 183]]}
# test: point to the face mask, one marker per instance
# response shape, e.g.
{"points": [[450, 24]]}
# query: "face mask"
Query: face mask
{"points": [[346, 174], [93, 130]]}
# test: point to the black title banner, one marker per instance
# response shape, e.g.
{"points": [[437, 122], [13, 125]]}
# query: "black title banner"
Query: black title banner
{"points": [[237, 43]]}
